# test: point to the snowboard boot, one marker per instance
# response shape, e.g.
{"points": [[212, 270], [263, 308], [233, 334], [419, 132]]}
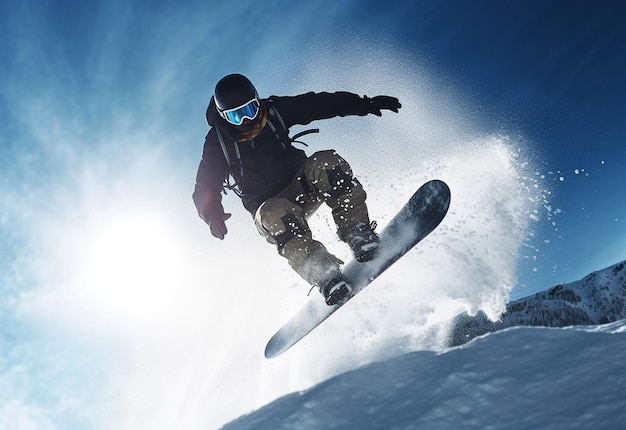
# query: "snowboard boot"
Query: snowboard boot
{"points": [[335, 287], [362, 240], [318, 267]]}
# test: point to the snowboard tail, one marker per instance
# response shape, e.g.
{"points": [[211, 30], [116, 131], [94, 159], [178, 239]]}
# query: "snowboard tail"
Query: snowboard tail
{"points": [[417, 219]]}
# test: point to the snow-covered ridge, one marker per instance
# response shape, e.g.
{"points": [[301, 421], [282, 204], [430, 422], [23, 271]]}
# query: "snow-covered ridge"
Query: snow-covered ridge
{"points": [[519, 378], [598, 298]]}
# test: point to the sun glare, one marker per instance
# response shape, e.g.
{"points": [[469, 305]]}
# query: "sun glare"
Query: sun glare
{"points": [[132, 265]]}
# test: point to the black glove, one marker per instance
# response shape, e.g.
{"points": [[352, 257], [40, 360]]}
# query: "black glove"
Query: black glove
{"points": [[218, 226], [378, 103]]}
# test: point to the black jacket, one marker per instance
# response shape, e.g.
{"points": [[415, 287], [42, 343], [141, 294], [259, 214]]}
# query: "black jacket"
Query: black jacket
{"points": [[266, 164]]}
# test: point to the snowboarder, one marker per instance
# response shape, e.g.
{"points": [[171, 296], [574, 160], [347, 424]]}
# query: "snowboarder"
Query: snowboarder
{"points": [[279, 185]]}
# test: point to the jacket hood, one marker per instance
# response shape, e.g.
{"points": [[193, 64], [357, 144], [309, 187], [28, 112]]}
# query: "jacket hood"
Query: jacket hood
{"points": [[211, 112]]}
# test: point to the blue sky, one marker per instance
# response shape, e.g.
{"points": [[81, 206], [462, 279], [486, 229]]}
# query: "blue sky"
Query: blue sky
{"points": [[519, 106], [550, 75]]}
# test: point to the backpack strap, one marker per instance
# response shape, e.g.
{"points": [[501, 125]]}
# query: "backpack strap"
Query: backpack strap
{"points": [[233, 186], [281, 133], [304, 133], [284, 131], [223, 145]]}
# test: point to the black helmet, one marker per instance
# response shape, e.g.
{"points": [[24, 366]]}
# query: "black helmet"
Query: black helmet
{"points": [[236, 99]]}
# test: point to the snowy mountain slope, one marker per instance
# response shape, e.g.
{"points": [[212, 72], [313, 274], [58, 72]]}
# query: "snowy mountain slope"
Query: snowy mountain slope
{"points": [[518, 378], [598, 298], [521, 377]]}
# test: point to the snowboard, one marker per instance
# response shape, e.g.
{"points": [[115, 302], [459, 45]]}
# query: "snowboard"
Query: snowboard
{"points": [[416, 220]]}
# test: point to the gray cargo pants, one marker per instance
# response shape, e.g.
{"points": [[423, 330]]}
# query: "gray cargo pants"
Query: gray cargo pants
{"points": [[324, 178]]}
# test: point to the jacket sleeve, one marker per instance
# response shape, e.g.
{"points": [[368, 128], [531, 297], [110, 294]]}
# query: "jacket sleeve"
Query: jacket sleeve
{"points": [[212, 172], [305, 108]]}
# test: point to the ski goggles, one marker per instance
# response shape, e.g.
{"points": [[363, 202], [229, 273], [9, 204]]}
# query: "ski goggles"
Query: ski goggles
{"points": [[236, 115]]}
